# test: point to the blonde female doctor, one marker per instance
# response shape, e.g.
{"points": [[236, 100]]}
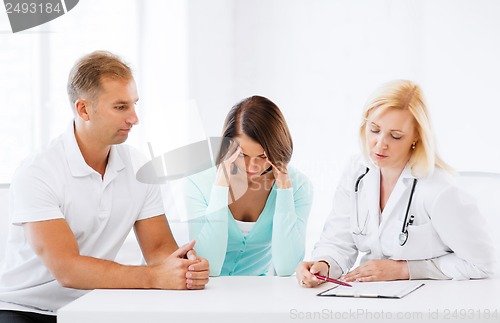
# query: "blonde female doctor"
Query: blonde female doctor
{"points": [[398, 205]]}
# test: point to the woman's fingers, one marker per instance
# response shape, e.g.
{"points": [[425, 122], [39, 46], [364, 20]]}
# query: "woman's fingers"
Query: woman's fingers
{"points": [[234, 155]]}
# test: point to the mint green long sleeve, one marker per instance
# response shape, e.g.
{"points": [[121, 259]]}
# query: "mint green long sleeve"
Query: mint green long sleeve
{"points": [[277, 238]]}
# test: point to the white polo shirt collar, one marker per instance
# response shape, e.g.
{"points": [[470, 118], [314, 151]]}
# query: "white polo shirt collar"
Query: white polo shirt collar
{"points": [[77, 165]]}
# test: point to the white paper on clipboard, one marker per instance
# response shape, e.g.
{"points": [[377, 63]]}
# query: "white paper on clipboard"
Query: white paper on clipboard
{"points": [[390, 289]]}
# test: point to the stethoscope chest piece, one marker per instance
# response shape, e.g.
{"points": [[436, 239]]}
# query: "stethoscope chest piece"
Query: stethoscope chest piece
{"points": [[403, 236]]}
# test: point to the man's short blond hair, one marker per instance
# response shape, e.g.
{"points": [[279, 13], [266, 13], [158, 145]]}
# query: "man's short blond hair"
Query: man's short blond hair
{"points": [[85, 78]]}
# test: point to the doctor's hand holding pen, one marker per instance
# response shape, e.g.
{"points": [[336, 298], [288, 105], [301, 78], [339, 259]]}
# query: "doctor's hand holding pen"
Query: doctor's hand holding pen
{"points": [[311, 277], [314, 273], [307, 270]]}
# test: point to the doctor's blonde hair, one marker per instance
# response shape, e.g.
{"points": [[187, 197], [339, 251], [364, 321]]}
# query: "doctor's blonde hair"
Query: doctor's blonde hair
{"points": [[406, 95]]}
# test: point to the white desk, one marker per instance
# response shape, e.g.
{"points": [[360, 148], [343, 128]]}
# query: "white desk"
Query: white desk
{"points": [[275, 299]]}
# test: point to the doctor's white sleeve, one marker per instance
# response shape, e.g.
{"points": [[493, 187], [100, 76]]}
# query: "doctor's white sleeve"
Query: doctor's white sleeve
{"points": [[425, 269], [460, 225]]}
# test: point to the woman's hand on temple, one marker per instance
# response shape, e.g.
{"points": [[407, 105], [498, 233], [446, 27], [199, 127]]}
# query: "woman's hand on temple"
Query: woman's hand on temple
{"points": [[224, 169], [281, 175]]}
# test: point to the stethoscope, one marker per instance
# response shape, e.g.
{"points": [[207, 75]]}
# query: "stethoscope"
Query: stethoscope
{"points": [[403, 235]]}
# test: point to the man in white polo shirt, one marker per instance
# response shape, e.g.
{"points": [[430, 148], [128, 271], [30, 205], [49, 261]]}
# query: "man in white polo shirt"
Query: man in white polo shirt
{"points": [[73, 205]]}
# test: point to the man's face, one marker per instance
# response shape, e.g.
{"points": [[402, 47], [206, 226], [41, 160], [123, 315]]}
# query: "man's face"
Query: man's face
{"points": [[112, 114]]}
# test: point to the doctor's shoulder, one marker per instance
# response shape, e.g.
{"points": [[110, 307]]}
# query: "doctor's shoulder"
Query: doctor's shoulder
{"points": [[439, 177]]}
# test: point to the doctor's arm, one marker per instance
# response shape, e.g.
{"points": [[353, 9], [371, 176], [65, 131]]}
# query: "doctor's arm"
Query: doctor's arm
{"points": [[336, 251], [460, 225], [289, 226]]}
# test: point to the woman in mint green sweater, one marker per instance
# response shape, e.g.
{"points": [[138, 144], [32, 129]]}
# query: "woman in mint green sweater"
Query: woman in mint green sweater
{"points": [[249, 214]]}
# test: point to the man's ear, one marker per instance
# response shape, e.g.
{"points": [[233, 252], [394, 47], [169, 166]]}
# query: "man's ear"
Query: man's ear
{"points": [[82, 108]]}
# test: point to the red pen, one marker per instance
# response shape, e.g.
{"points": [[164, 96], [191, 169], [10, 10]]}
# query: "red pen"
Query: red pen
{"points": [[331, 280]]}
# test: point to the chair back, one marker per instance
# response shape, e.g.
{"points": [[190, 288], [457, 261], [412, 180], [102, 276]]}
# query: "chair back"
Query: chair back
{"points": [[4, 217]]}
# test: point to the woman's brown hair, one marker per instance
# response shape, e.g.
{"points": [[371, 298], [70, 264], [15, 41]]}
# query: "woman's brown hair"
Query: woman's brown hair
{"points": [[260, 119]]}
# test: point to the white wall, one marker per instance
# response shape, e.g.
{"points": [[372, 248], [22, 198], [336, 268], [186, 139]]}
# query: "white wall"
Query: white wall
{"points": [[317, 59]]}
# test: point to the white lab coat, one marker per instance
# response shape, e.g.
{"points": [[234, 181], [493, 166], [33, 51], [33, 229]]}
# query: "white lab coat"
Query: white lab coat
{"points": [[447, 227]]}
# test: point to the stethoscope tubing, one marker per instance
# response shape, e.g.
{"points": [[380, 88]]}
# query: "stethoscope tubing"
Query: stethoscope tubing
{"points": [[404, 229], [405, 222]]}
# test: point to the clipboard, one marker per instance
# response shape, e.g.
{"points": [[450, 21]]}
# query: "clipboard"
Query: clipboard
{"points": [[385, 289]]}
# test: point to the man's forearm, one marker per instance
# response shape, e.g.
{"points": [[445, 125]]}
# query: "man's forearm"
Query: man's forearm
{"points": [[91, 273]]}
